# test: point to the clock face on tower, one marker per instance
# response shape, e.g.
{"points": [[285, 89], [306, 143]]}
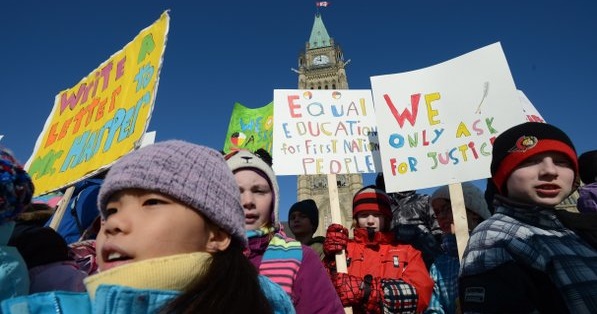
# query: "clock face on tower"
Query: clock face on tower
{"points": [[321, 60]]}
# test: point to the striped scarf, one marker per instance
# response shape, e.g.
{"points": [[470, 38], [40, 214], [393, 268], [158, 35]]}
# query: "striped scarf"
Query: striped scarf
{"points": [[282, 258]]}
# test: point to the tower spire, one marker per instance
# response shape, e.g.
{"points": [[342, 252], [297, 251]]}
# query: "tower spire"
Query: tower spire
{"points": [[319, 34]]}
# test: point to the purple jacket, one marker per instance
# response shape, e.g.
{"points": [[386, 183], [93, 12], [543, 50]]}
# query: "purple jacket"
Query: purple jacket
{"points": [[587, 199], [312, 291]]}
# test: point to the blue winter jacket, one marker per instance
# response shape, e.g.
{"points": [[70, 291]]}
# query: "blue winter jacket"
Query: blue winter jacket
{"points": [[104, 295], [120, 300], [14, 276]]}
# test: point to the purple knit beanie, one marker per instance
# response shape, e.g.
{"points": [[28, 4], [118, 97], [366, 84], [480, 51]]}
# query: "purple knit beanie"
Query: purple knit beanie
{"points": [[195, 175]]}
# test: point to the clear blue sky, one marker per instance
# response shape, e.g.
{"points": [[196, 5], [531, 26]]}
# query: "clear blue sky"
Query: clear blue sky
{"points": [[221, 52]]}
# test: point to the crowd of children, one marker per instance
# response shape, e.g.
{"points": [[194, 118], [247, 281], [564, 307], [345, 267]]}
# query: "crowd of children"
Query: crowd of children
{"points": [[186, 229]]}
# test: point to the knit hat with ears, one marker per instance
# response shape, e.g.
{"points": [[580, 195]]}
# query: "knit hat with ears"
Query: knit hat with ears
{"points": [[371, 199], [521, 142], [195, 175], [473, 198], [587, 164], [260, 162], [16, 188]]}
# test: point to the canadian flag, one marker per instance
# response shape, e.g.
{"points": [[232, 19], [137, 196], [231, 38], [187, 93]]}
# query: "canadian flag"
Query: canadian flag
{"points": [[322, 4]]}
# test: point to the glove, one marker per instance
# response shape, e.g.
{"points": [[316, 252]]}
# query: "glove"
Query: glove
{"points": [[348, 288], [335, 240], [354, 291]]}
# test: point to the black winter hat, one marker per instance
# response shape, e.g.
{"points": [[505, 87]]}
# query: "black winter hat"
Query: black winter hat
{"points": [[587, 166], [40, 246], [309, 208], [520, 142]]}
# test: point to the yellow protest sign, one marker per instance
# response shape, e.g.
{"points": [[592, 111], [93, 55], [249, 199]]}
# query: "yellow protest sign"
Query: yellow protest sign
{"points": [[103, 117]]}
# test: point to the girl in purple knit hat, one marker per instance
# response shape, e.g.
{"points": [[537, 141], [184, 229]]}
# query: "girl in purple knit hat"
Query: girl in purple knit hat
{"points": [[171, 241]]}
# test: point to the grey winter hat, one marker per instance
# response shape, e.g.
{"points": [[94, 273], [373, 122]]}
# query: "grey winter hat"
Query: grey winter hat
{"points": [[473, 198], [195, 175]]}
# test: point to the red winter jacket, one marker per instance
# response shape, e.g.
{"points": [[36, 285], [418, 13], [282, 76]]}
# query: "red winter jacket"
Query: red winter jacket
{"points": [[384, 258]]}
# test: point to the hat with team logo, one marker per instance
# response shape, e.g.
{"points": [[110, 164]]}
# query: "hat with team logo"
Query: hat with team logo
{"points": [[521, 142]]}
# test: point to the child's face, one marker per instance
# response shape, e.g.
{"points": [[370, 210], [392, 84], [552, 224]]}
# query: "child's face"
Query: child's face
{"points": [[445, 218], [300, 224], [140, 225], [373, 220], [256, 197], [545, 179], [443, 212]]}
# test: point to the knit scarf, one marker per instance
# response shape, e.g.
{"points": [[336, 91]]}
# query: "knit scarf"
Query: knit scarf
{"points": [[282, 258]]}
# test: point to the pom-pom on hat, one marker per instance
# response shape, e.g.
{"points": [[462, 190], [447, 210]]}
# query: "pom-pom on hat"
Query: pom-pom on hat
{"points": [[371, 199], [520, 142], [195, 175], [474, 198], [587, 166], [260, 162], [309, 208], [16, 188]]}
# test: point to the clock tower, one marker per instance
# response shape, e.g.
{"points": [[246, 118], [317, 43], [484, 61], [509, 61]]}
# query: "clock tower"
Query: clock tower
{"points": [[322, 66]]}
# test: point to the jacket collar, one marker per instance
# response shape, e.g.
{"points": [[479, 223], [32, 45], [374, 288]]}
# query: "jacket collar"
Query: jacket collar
{"points": [[361, 235], [173, 272], [543, 217]]}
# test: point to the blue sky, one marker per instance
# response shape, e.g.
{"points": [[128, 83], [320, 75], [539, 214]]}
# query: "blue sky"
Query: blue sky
{"points": [[221, 52]]}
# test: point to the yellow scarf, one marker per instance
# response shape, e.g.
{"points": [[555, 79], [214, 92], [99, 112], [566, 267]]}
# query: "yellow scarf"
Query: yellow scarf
{"points": [[173, 272]]}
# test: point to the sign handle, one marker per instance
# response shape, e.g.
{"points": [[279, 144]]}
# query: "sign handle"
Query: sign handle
{"points": [[59, 213], [337, 218], [459, 216]]}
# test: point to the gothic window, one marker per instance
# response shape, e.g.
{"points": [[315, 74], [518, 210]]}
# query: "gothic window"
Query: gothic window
{"points": [[334, 86], [320, 182], [342, 182]]}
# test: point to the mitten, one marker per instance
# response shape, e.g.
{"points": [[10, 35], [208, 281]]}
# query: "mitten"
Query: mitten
{"points": [[348, 288], [335, 240]]}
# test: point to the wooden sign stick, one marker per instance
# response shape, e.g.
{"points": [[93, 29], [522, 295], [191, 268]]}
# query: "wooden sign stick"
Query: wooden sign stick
{"points": [[341, 266], [459, 216], [59, 213]]}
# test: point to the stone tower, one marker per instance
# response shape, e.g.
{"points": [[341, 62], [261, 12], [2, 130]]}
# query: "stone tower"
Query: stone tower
{"points": [[321, 66]]}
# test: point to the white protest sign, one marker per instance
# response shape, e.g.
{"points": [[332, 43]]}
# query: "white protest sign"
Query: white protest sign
{"points": [[324, 132], [529, 111], [436, 125]]}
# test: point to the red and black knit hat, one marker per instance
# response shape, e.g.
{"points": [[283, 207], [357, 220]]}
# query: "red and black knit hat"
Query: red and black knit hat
{"points": [[520, 142], [371, 199]]}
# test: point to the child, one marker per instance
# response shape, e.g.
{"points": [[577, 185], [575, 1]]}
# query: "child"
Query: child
{"points": [[413, 221], [587, 200], [16, 190], [303, 219], [383, 275], [444, 270], [296, 267], [523, 259], [171, 240], [47, 256]]}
